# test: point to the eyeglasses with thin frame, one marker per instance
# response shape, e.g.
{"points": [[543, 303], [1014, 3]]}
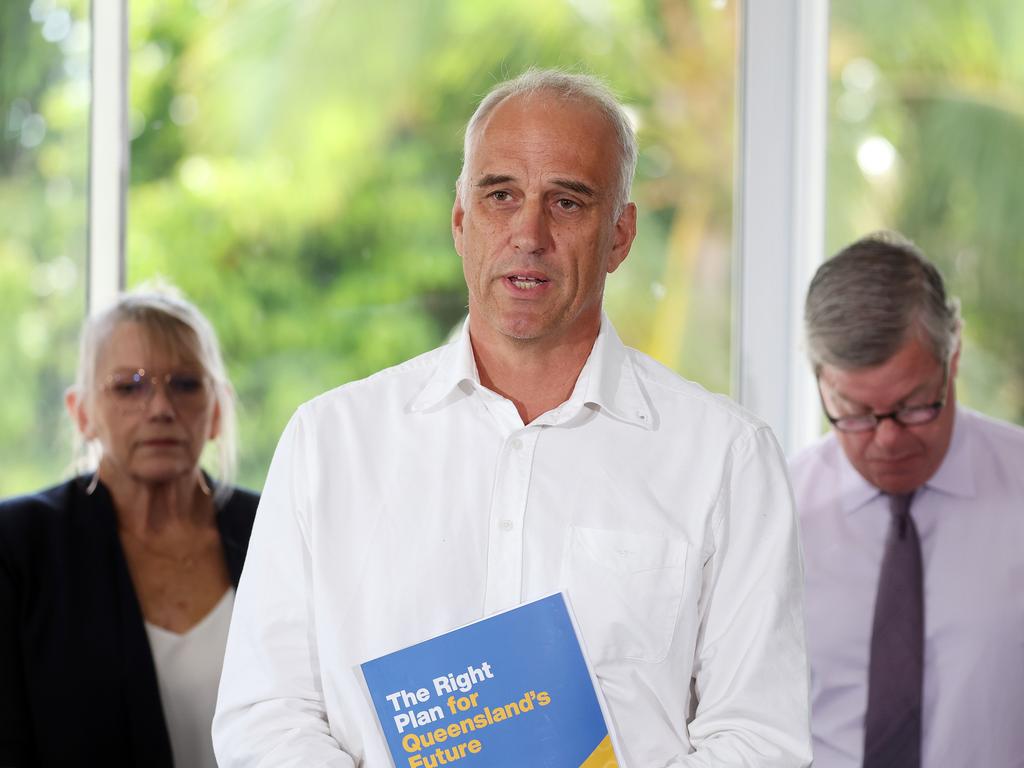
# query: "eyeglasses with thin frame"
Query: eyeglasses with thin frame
{"points": [[133, 389], [908, 416]]}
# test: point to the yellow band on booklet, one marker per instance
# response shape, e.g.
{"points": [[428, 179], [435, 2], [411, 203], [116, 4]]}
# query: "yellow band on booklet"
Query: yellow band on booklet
{"points": [[602, 756]]}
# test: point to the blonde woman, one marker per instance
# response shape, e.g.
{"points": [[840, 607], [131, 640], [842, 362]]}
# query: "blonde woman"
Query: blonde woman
{"points": [[116, 587]]}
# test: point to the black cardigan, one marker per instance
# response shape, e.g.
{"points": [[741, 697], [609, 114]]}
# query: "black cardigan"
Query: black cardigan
{"points": [[77, 681]]}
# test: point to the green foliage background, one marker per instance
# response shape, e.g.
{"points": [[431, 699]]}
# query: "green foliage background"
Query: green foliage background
{"points": [[946, 89], [293, 166], [293, 163], [44, 108]]}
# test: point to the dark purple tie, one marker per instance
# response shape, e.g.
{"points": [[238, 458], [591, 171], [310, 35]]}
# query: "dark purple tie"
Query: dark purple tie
{"points": [[892, 725]]}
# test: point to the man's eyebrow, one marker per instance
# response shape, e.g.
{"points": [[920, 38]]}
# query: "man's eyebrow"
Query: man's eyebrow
{"points": [[574, 186], [493, 179], [856, 404]]}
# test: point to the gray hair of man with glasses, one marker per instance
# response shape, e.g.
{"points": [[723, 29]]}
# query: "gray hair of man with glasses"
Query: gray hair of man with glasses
{"points": [[176, 325], [866, 301], [567, 86]]}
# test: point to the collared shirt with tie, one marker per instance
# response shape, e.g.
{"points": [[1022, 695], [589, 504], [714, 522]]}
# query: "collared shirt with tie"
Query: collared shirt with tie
{"points": [[970, 520]]}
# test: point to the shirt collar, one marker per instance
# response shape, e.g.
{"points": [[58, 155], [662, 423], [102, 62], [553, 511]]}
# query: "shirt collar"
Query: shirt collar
{"points": [[955, 475], [854, 490], [607, 380], [454, 376]]}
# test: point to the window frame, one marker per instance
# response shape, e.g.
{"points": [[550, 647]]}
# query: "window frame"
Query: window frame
{"points": [[780, 209], [779, 195], [108, 153]]}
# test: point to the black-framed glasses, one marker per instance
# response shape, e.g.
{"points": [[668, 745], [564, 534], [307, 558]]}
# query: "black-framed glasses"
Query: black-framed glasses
{"points": [[908, 416], [133, 389]]}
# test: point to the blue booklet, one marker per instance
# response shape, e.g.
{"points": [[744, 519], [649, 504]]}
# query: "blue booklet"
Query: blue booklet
{"points": [[513, 689]]}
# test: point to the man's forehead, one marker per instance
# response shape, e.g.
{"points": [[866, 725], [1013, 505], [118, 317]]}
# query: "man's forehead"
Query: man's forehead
{"points": [[527, 135], [529, 118], [535, 103], [882, 385]]}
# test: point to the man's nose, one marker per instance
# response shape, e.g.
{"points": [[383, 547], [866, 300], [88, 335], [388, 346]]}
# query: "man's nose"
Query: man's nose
{"points": [[531, 229], [888, 432]]}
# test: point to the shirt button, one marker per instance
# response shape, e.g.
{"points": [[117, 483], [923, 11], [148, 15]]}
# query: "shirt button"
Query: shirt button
{"points": [[516, 444], [507, 525]]}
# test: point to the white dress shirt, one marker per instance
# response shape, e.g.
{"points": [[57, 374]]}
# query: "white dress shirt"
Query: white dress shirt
{"points": [[416, 501], [970, 517], [188, 670]]}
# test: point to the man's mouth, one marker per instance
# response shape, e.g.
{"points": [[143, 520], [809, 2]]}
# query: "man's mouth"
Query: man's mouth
{"points": [[524, 283], [894, 460]]}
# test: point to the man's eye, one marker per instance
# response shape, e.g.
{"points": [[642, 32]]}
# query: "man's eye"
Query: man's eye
{"points": [[568, 205], [501, 195]]}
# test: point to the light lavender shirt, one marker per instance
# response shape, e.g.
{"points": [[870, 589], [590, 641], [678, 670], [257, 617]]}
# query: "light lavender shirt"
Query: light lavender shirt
{"points": [[970, 516]]}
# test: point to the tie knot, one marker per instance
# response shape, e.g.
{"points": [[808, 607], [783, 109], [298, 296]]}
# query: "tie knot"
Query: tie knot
{"points": [[899, 503], [899, 506]]}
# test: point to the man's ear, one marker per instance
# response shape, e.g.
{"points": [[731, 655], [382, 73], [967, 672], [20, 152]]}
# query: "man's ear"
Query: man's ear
{"points": [[623, 236], [75, 404], [954, 361], [458, 214]]}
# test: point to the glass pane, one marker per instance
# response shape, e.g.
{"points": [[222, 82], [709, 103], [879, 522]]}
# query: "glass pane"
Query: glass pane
{"points": [[44, 138], [293, 167], [926, 122]]}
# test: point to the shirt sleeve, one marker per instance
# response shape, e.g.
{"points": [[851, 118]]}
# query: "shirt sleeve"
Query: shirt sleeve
{"points": [[270, 707], [751, 679]]}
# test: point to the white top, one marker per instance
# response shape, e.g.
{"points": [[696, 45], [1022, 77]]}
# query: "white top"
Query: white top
{"points": [[416, 501], [970, 516], [188, 672]]}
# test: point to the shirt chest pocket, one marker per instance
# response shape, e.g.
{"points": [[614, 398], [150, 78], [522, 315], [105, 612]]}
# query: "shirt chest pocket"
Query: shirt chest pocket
{"points": [[625, 589]]}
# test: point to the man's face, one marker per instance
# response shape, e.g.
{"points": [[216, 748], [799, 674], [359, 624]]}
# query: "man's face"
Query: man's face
{"points": [[535, 222], [892, 457]]}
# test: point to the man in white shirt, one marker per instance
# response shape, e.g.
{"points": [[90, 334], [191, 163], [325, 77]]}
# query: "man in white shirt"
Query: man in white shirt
{"points": [[912, 517], [534, 453]]}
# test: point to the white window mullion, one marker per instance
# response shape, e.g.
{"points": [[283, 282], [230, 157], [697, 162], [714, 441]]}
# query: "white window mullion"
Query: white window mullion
{"points": [[780, 208], [108, 152]]}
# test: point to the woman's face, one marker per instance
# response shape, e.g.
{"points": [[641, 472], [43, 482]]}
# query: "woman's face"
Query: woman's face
{"points": [[152, 409]]}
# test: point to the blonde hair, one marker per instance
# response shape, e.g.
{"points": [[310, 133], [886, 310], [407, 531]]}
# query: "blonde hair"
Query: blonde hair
{"points": [[176, 325]]}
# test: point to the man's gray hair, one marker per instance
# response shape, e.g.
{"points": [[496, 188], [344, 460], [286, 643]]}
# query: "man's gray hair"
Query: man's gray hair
{"points": [[866, 301], [179, 328], [568, 87]]}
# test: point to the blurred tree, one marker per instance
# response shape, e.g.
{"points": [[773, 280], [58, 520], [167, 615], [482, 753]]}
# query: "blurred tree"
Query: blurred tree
{"points": [[44, 102], [294, 168], [928, 114]]}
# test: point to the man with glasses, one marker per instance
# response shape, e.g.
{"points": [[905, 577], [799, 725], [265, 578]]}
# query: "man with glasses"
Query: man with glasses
{"points": [[912, 516]]}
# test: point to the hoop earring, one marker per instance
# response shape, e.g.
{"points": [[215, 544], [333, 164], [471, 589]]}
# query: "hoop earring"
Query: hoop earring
{"points": [[91, 487], [204, 486]]}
